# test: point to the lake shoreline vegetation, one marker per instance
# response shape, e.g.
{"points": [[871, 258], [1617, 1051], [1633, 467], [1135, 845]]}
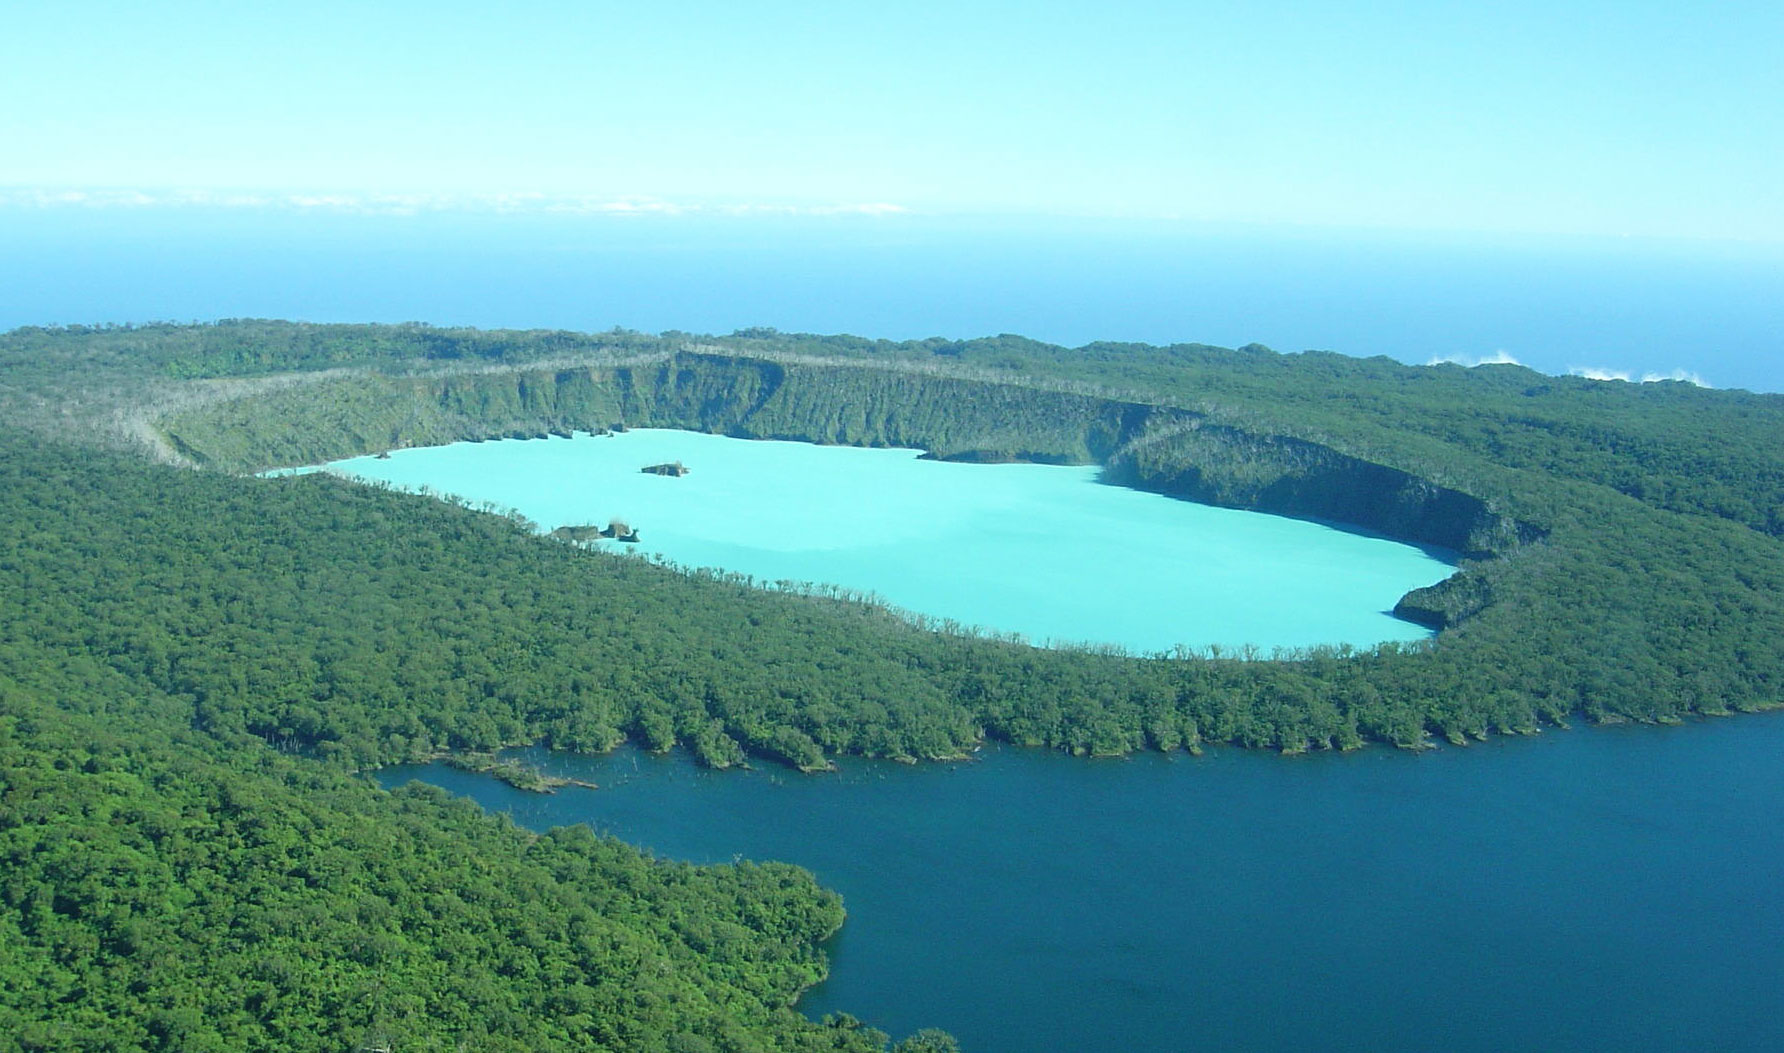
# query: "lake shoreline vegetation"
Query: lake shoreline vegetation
{"points": [[194, 663], [1007, 398], [511, 772]]}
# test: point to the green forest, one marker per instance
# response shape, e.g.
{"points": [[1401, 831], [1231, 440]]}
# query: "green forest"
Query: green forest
{"points": [[199, 667]]}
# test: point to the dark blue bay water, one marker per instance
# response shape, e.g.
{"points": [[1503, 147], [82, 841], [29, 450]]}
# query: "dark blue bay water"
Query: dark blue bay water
{"points": [[1614, 889], [1624, 305]]}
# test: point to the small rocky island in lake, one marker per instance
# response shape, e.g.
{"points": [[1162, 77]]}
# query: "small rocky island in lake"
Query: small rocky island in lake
{"points": [[577, 533], [620, 530], [675, 469], [617, 529]]}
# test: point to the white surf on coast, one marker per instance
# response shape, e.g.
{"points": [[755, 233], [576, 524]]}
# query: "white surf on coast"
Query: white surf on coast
{"points": [[1042, 551]]}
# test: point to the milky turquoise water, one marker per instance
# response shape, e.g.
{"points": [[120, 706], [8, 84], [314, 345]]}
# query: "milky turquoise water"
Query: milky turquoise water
{"points": [[1043, 551]]}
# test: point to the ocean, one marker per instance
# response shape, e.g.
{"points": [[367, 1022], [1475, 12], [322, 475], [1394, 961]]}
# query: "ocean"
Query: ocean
{"points": [[1713, 312]]}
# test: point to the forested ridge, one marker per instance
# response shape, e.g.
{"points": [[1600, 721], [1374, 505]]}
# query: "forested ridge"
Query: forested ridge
{"points": [[170, 880], [184, 654], [162, 890]]}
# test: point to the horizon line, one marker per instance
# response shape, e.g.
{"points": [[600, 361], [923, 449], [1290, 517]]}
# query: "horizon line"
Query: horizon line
{"points": [[381, 203]]}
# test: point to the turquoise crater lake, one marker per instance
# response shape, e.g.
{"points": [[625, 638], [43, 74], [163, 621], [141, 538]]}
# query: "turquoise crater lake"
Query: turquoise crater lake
{"points": [[1046, 552]]}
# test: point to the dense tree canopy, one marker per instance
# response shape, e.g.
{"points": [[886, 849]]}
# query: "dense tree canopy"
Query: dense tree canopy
{"points": [[193, 664]]}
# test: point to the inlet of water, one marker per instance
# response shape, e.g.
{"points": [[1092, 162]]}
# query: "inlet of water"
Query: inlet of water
{"points": [[1597, 889]]}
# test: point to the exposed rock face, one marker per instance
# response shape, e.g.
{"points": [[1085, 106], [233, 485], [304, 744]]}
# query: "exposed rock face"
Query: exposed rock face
{"points": [[619, 530], [578, 533]]}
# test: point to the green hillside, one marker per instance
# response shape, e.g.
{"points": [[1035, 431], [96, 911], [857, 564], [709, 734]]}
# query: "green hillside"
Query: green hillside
{"points": [[195, 663]]}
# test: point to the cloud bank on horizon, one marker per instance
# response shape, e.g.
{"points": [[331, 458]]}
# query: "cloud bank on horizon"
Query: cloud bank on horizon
{"points": [[1583, 118], [1648, 377], [1503, 358], [395, 204]]}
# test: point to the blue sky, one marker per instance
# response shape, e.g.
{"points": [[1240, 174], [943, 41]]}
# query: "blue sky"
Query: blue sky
{"points": [[1652, 119]]}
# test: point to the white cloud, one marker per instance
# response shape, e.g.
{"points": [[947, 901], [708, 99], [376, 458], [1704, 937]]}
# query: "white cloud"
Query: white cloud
{"points": [[411, 204], [1501, 358], [1686, 375], [876, 208], [1497, 358], [1594, 373]]}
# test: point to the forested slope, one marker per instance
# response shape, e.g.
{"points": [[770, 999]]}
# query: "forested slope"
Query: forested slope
{"points": [[1579, 596], [159, 895], [191, 662], [167, 889]]}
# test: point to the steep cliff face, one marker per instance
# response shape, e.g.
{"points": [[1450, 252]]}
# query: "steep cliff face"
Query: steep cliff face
{"points": [[750, 398], [1166, 450], [1449, 602], [1288, 476], [951, 418]]}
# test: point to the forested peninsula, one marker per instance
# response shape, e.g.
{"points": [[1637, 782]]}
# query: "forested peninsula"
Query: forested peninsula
{"points": [[198, 665]]}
